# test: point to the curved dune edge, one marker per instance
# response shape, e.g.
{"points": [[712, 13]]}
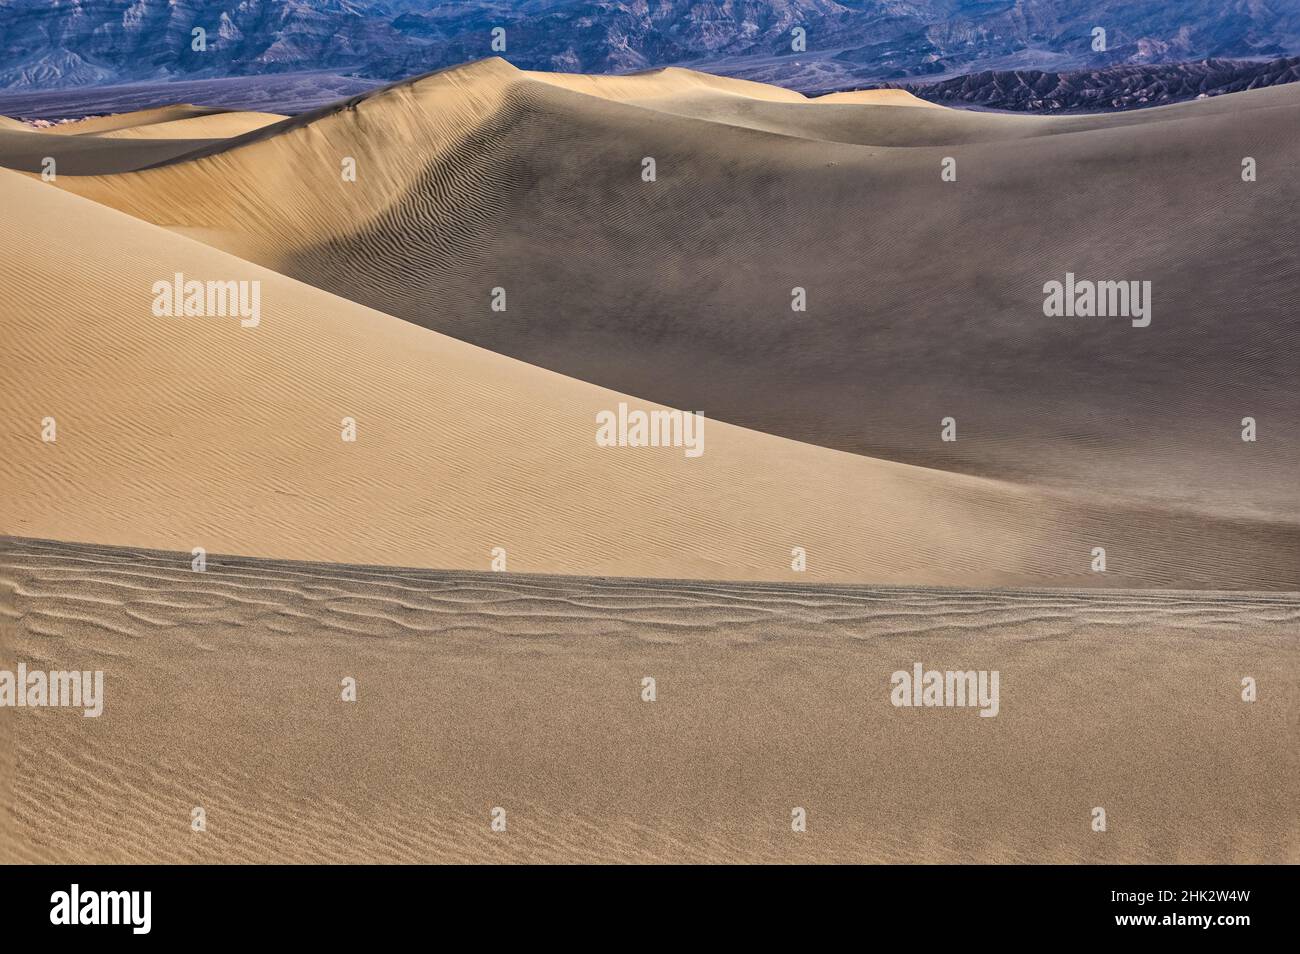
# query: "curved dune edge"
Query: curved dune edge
{"points": [[223, 125], [28, 150], [176, 433], [875, 97], [123, 142], [657, 84], [134, 119]]}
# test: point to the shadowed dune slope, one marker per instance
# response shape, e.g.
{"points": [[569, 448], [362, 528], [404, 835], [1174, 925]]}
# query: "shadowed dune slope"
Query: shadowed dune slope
{"points": [[197, 432], [924, 297], [25, 149]]}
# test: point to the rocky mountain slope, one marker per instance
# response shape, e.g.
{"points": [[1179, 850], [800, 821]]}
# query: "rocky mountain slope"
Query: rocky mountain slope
{"points": [[1118, 87], [848, 42]]}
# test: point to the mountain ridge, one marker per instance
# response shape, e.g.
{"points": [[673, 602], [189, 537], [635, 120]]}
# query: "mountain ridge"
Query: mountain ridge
{"points": [[83, 43]]}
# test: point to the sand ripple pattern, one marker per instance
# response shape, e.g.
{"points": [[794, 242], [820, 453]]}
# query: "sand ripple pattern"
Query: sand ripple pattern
{"points": [[118, 590], [478, 690]]}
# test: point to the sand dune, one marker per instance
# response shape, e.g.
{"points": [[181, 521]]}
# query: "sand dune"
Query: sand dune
{"points": [[687, 92], [485, 177], [655, 85], [735, 102], [924, 297], [875, 97], [123, 142], [475, 430], [223, 125], [135, 119], [184, 432], [26, 149], [483, 690]]}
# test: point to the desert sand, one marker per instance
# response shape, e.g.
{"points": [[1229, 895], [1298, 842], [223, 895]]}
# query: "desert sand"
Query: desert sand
{"points": [[475, 436], [96, 145], [461, 451], [486, 177], [924, 297], [217, 125], [480, 690]]}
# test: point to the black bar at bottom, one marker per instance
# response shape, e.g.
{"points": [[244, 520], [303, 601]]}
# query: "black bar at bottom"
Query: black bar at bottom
{"points": [[1219, 903]]}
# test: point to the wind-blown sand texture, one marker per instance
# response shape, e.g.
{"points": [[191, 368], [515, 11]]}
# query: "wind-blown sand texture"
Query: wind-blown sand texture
{"points": [[475, 431], [478, 690]]}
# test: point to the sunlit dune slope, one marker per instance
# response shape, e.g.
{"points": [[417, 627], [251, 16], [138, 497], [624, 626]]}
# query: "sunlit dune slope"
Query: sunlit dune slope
{"points": [[875, 97], [216, 126], [660, 84], [197, 432]]}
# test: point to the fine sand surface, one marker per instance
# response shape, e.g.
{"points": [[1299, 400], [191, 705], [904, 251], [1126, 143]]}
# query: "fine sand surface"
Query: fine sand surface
{"points": [[479, 690], [476, 441], [221, 125], [924, 297], [178, 432]]}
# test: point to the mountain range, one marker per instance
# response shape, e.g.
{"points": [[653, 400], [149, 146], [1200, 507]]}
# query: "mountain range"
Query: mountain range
{"points": [[1116, 87], [47, 44]]}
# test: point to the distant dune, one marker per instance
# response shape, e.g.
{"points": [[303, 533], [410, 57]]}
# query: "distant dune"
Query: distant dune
{"points": [[220, 125], [124, 141]]}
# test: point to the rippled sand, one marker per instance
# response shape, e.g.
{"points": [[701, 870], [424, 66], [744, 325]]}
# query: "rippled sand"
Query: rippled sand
{"points": [[479, 690]]}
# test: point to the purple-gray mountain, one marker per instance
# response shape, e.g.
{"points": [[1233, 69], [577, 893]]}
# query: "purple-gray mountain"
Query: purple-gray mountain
{"points": [[48, 44], [1114, 88]]}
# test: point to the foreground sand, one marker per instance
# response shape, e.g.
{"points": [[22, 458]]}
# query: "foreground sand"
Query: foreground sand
{"points": [[484, 690]]}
